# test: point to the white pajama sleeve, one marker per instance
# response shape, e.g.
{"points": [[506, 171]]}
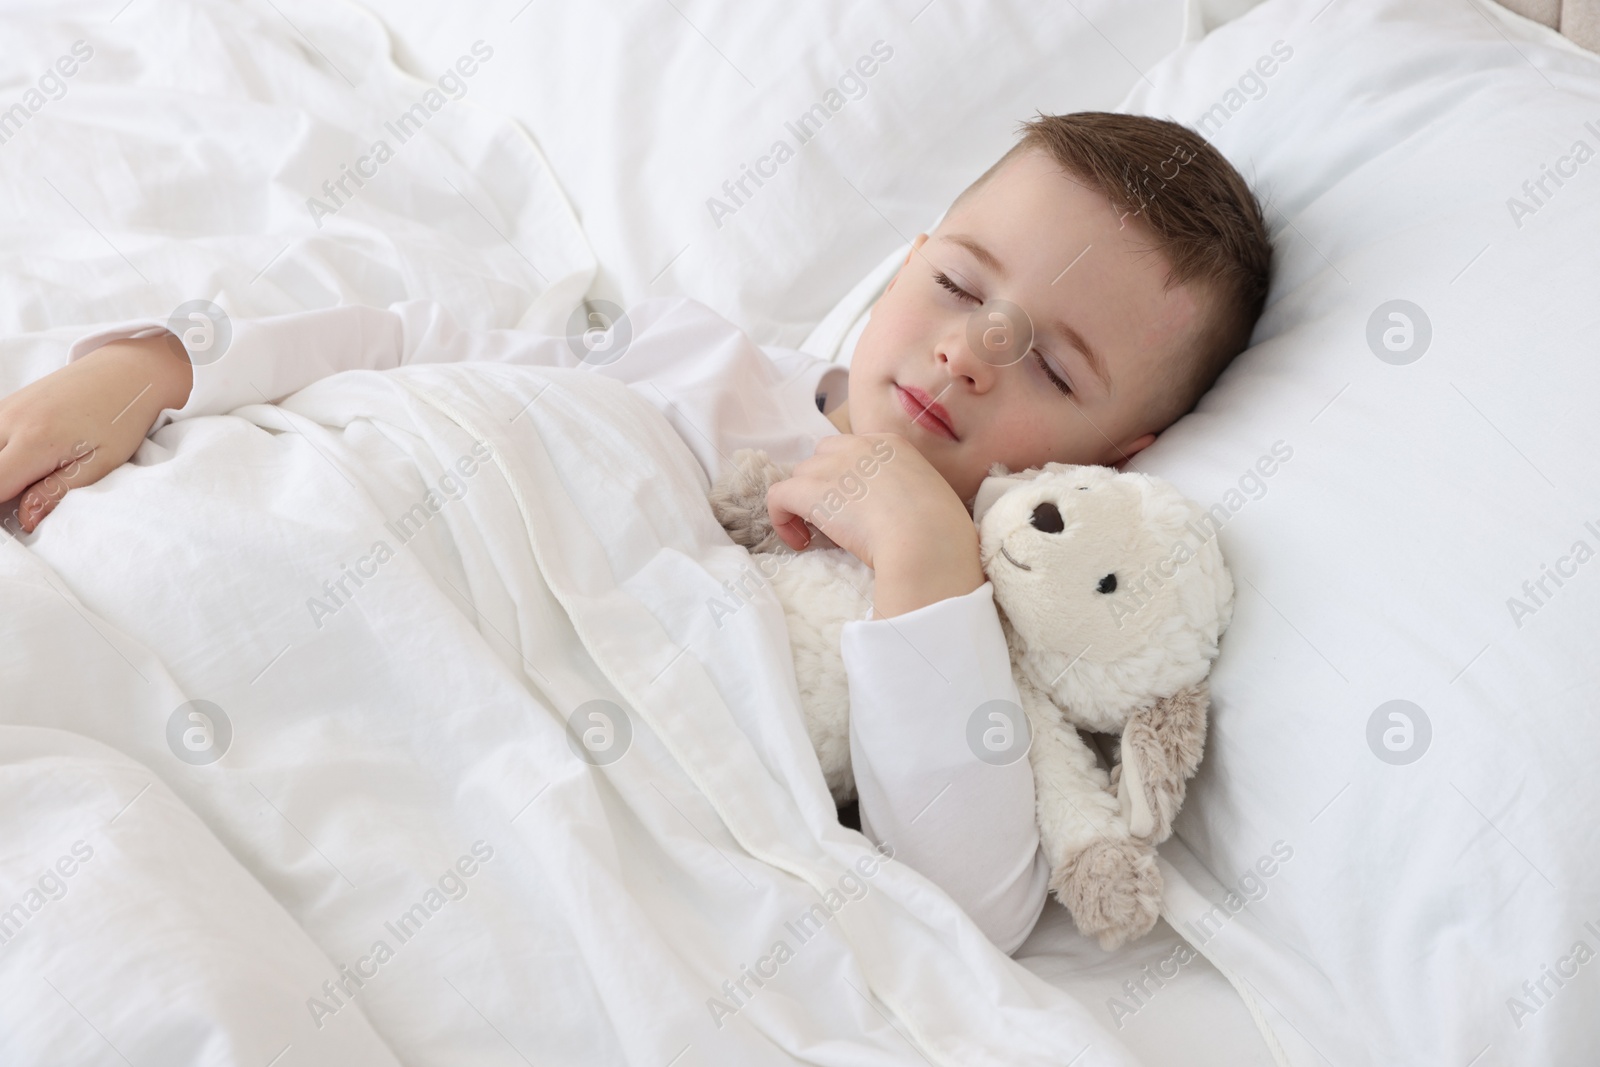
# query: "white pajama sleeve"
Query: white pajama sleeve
{"points": [[968, 826], [269, 358]]}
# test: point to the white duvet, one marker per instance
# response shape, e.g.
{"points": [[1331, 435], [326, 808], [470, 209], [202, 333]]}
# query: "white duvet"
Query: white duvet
{"points": [[286, 775], [348, 634]]}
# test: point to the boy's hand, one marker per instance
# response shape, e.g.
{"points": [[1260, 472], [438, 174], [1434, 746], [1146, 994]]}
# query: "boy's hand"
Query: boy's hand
{"points": [[877, 498], [76, 424]]}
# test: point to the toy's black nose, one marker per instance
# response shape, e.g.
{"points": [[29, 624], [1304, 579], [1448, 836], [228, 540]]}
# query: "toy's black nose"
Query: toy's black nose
{"points": [[1108, 584], [1047, 519]]}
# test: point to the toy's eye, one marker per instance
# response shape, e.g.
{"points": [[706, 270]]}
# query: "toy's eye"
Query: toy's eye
{"points": [[1047, 519], [1083, 487], [1108, 584]]}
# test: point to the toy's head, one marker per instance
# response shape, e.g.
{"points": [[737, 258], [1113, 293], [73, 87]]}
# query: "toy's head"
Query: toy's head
{"points": [[1112, 585]]}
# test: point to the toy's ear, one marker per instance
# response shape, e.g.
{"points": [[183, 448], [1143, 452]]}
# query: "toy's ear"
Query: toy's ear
{"points": [[996, 485], [991, 490]]}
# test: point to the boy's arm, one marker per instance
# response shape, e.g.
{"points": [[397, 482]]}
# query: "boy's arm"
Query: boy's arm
{"points": [[73, 426], [266, 360], [917, 680], [269, 358], [924, 571], [921, 674]]}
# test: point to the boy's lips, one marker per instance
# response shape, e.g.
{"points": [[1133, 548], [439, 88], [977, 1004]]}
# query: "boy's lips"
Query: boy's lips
{"points": [[924, 412]]}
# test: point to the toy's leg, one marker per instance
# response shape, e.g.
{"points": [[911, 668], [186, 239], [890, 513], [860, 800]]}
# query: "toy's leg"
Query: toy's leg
{"points": [[1161, 748], [1108, 881]]}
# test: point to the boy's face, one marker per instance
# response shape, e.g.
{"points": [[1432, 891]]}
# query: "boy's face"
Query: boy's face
{"points": [[1085, 279]]}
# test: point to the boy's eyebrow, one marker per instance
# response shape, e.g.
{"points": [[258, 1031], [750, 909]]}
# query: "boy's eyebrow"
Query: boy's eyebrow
{"points": [[1097, 366], [980, 253]]}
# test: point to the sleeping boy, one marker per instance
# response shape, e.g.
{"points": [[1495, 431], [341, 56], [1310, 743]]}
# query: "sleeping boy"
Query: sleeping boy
{"points": [[1075, 300]]}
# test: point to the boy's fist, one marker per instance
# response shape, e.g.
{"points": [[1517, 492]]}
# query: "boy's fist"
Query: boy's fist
{"points": [[878, 498], [74, 425]]}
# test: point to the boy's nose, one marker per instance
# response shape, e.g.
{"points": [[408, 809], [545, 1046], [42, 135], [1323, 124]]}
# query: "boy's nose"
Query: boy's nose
{"points": [[961, 363], [995, 336], [964, 362]]}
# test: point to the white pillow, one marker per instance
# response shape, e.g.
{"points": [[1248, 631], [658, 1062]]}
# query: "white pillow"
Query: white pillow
{"points": [[644, 116], [1387, 485]]}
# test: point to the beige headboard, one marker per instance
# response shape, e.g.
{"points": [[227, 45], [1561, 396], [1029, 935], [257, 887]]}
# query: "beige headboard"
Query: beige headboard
{"points": [[1576, 20]]}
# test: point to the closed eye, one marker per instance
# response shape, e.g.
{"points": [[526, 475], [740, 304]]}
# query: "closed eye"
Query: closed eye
{"points": [[944, 279], [1061, 386], [961, 294]]}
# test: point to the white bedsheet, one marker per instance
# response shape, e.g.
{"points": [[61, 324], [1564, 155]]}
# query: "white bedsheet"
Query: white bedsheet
{"points": [[1164, 1000], [217, 899], [422, 721]]}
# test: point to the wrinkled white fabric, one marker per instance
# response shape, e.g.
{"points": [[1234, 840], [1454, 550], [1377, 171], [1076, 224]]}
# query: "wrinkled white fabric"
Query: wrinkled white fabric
{"points": [[966, 825], [440, 705]]}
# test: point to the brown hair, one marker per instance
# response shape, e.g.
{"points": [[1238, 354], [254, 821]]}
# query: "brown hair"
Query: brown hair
{"points": [[1202, 214]]}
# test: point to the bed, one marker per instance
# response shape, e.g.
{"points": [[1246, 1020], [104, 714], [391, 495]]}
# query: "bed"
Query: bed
{"points": [[1388, 856]]}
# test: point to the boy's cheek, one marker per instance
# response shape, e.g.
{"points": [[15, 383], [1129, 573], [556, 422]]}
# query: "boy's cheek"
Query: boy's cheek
{"points": [[896, 324]]}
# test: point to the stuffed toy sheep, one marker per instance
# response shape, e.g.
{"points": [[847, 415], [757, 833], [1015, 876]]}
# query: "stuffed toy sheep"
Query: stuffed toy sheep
{"points": [[1112, 599]]}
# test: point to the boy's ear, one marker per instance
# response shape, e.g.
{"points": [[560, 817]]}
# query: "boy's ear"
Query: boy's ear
{"points": [[1133, 450], [921, 237]]}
